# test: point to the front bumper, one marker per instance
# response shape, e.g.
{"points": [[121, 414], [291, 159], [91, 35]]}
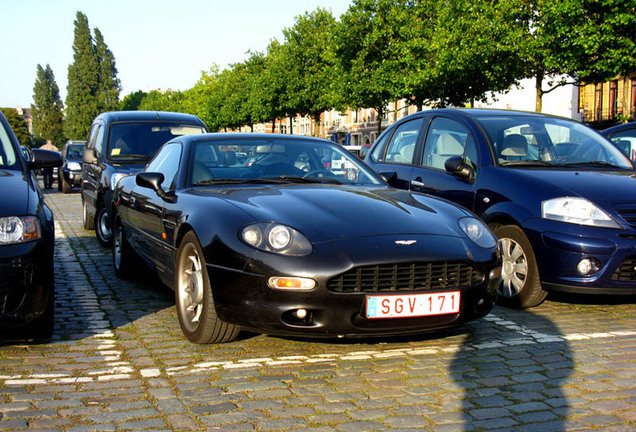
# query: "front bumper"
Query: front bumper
{"points": [[74, 178], [26, 282], [560, 247], [242, 297]]}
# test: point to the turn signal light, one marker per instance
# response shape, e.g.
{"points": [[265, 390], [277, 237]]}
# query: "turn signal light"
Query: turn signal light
{"points": [[291, 283]]}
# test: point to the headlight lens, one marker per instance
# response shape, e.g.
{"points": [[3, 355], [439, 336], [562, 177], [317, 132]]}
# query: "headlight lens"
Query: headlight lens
{"points": [[478, 232], [576, 210], [14, 229], [74, 166], [277, 238]]}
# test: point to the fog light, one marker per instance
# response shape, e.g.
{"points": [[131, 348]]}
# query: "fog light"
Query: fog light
{"points": [[588, 266], [301, 313]]}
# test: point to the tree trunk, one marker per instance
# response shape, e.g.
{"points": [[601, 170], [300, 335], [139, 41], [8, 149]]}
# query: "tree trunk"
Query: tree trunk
{"points": [[539, 87], [380, 112], [274, 125]]}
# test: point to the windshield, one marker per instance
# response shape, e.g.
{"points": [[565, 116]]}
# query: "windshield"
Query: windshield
{"points": [[8, 156], [140, 141], [75, 151], [256, 160], [547, 141]]}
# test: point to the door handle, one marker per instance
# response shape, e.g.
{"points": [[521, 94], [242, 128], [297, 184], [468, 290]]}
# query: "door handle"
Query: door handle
{"points": [[417, 183]]}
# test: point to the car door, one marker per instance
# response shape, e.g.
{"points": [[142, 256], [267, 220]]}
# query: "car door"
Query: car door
{"points": [[91, 172], [395, 152], [155, 216], [445, 138]]}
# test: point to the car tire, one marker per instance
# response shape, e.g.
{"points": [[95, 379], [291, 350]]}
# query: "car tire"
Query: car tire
{"points": [[42, 326], [103, 231], [519, 284], [89, 223], [124, 257], [193, 294]]}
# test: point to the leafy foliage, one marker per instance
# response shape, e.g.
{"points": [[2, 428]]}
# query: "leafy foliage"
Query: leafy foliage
{"points": [[47, 111], [19, 126]]}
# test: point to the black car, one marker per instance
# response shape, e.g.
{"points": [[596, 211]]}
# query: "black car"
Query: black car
{"points": [[26, 241], [560, 197], [624, 137], [258, 243], [121, 143], [70, 174]]}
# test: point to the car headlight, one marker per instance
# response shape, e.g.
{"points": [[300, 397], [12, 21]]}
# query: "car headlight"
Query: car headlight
{"points": [[74, 166], [576, 210], [114, 179], [14, 229], [478, 232], [276, 238]]}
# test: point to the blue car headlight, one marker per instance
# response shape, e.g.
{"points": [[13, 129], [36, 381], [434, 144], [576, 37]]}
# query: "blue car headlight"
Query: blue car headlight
{"points": [[276, 238], [478, 232], [576, 210], [14, 229]]}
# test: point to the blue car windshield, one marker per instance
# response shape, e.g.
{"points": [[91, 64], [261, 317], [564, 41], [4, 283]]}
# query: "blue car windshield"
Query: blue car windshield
{"points": [[548, 141], [8, 155], [276, 160]]}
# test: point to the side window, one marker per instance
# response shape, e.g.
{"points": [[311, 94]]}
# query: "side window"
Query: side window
{"points": [[167, 163], [402, 145], [95, 131], [378, 150], [447, 138]]}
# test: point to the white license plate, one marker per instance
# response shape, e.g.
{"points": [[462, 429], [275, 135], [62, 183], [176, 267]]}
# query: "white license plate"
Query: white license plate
{"points": [[413, 305]]}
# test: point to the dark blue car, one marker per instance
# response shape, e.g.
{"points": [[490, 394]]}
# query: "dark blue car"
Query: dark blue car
{"points": [[559, 196]]}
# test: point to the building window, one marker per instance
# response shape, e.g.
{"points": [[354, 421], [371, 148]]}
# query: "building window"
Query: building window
{"points": [[613, 99], [598, 102], [633, 104]]}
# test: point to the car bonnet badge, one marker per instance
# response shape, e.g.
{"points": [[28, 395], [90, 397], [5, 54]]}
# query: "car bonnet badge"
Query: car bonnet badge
{"points": [[405, 242]]}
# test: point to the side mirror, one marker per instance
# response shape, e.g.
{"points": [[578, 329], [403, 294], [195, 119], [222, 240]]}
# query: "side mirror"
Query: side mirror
{"points": [[150, 180], [456, 166], [390, 178], [89, 156], [153, 180], [44, 159]]}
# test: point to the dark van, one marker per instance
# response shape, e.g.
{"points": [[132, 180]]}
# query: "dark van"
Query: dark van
{"points": [[121, 143]]}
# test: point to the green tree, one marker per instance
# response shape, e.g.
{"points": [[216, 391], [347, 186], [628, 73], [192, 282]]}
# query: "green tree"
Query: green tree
{"points": [[572, 41], [370, 57], [109, 86], [310, 65], [47, 111], [168, 100], [83, 82], [132, 101], [19, 126]]}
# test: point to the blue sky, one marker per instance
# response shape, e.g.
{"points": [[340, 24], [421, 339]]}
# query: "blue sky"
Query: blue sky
{"points": [[156, 43]]}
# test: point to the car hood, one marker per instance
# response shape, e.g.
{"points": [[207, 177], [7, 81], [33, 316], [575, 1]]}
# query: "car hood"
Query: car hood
{"points": [[596, 186], [16, 191], [325, 213]]}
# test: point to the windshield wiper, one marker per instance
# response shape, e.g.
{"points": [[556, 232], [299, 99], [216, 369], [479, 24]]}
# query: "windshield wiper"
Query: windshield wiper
{"points": [[295, 179], [528, 163], [592, 163], [129, 156], [218, 181]]}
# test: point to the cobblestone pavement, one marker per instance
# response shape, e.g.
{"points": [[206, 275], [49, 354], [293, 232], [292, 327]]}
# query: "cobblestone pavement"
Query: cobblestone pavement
{"points": [[118, 362]]}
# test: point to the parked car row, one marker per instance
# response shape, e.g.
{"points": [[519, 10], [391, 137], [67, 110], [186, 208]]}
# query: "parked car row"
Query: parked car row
{"points": [[454, 210]]}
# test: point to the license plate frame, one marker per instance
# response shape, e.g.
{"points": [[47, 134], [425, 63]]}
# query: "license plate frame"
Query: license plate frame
{"points": [[391, 306]]}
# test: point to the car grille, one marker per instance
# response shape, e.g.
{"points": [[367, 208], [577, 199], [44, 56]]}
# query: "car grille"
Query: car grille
{"points": [[626, 272], [406, 277], [627, 212]]}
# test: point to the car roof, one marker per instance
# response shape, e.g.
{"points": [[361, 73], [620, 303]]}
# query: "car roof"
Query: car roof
{"points": [[249, 136], [122, 116], [618, 128]]}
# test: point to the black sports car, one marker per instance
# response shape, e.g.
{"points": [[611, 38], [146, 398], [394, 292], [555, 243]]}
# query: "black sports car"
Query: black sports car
{"points": [[267, 233]]}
